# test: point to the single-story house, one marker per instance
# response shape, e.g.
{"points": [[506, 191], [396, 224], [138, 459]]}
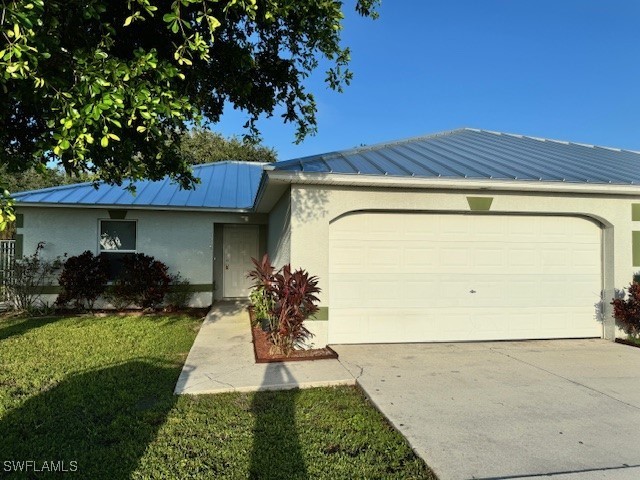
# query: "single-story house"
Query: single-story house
{"points": [[462, 235]]}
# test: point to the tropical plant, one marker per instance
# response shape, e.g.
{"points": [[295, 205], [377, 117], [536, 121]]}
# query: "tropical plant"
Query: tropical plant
{"points": [[626, 310], [262, 276], [29, 277], [288, 299], [83, 279], [294, 301], [143, 281]]}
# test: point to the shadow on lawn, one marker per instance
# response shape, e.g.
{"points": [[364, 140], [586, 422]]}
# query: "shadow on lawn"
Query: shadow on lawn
{"points": [[102, 419], [276, 450], [21, 327]]}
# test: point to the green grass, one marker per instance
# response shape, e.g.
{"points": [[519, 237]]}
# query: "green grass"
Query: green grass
{"points": [[98, 391]]}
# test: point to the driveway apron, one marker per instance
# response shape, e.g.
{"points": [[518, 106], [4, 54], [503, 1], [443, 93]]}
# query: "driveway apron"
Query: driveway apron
{"points": [[553, 409]]}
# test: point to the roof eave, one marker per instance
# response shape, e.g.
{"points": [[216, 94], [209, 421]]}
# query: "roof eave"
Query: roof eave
{"points": [[94, 206], [336, 179]]}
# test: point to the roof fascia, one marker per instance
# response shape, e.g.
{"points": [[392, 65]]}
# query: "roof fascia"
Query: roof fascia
{"points": [[94, 206], [336, 179]]}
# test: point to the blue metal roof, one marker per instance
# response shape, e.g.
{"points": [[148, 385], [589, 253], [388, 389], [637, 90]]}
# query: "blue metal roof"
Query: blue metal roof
{"points": [[224, 185], [479, 154]]}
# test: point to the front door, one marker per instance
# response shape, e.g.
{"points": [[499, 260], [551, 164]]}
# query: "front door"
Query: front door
{"points": [[240, 243]]}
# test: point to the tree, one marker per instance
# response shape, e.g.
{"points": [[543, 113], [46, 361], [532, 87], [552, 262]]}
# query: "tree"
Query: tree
{"points": [[205, 146], [106, 87], [32, 179]]}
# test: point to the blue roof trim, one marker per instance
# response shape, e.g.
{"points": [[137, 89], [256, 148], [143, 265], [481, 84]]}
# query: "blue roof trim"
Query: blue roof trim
{"points": [[224, 185], [480, 155]]}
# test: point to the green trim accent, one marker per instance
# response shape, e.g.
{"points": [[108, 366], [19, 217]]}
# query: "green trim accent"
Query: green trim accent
{"points": [[480, 203], [635, 212], [195, 288], [321, 315], [635, 242], [19, 246], [117, 214], [50, 289], [19, 220]]}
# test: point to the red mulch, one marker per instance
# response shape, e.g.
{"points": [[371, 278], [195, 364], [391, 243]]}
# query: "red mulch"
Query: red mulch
{"points": [[262, 347]]}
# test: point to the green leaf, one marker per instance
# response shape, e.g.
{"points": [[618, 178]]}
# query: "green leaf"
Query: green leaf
{"points": [[104, 142]]}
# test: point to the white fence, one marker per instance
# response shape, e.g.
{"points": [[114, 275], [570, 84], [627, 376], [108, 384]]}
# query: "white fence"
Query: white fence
{"points": [[7, 254]]}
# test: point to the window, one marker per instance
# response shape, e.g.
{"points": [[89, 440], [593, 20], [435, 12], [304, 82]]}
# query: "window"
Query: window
{"points": [[118, 239]]}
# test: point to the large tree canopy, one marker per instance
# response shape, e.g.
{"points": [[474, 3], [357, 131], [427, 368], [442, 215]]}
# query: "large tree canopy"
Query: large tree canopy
{"points": [[205, 146], [107, 86]]}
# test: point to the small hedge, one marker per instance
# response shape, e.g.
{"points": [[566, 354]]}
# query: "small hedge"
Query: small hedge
{"points": [[143, 281], [83, 280], [627, 310]]}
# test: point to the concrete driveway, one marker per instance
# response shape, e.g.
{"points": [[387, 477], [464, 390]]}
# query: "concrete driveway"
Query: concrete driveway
{"points": [[559, 409]]}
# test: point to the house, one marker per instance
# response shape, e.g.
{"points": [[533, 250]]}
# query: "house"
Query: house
{"points": [[462, 235]]}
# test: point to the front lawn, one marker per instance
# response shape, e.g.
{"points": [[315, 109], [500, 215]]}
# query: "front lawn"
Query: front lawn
{"points": [[97, 393]]}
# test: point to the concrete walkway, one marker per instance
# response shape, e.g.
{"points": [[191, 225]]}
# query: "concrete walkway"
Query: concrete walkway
{"points": [[221, 360]]}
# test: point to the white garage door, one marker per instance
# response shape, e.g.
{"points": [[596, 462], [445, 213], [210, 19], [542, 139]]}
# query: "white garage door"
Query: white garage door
{"points": [[422, 277]]}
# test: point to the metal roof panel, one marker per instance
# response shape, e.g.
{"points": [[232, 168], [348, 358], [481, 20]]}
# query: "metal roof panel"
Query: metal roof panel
{"points": [[214, 191], [480, 154]]}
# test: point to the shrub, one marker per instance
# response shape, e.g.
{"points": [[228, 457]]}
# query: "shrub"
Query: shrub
{"points": [[626, 310], [294, 301], [288, 298], [179, 295], [143, 281], [83, 279], [29, 277], [263, 277]]}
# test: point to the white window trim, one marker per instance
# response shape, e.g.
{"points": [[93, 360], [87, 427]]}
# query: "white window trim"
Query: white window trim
{"points": [[99, 248]]}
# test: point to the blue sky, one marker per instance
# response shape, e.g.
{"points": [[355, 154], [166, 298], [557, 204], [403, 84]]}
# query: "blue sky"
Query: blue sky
{"points": [[568, 70]]}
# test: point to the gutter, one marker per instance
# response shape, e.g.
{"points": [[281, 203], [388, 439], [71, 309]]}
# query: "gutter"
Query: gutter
{"points": [[245, 210], [349, 180]]}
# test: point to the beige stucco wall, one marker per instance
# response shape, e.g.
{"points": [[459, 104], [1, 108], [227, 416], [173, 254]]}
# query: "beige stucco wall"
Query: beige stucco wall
{"points": [[279, 234], [181, 239], [314, 207]]}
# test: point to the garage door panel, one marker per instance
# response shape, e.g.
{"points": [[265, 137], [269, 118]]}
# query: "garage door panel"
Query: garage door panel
{"points": [[419, 277]]}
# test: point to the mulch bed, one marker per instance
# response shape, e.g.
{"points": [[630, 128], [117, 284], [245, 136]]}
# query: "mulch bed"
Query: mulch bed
{"points": [[262, 347], [627, 342]]}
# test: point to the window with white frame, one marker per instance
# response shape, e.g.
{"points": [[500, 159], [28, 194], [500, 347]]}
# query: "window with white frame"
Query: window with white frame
{"points": [[118, 239]]}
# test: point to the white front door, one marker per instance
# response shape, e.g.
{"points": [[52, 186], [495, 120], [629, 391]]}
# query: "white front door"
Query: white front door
{"points": [[240, 243]]}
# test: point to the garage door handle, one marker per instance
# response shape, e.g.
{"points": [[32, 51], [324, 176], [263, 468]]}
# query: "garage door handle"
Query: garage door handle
{"points": [[472, 291]]}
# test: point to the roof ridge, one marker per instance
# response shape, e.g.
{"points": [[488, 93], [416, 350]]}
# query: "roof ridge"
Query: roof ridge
{"points": [[368, 148]]}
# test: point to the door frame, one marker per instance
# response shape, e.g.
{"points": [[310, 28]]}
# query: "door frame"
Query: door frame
{"points": [[226, 228]]}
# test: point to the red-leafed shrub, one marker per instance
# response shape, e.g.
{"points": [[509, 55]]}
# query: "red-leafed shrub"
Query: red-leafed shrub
{"points": [[83, 279], [288, 298], [627, 310], [143, 281]]}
